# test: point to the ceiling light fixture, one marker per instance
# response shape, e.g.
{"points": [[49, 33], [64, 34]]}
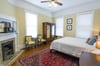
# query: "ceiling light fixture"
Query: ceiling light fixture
{"points": [[52, 2]]}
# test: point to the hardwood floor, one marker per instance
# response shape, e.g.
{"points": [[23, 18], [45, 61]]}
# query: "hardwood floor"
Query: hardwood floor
{"points": [[29, 52]]}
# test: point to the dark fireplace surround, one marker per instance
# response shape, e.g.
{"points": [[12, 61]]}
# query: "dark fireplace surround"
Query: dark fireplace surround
{"points": [[7, 47]]}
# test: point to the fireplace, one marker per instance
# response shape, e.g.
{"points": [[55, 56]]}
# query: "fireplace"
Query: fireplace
{"points": [[7, 47]]}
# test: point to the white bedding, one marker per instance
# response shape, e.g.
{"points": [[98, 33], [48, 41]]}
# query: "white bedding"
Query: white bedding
{"points": [[72, 46]]}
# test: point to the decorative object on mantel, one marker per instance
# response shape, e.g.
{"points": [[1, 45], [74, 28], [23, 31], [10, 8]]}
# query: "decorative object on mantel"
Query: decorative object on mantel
{"points": [[7, 24], [7, 37]]}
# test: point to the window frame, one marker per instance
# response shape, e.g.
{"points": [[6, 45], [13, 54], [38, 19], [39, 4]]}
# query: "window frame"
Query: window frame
{"points": [[88, 12], [62, 18], [33, 23]]}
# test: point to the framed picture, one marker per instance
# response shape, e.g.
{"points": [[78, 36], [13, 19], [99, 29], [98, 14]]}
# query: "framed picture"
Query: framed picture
{"points": [[69, 21], [69, 27]]}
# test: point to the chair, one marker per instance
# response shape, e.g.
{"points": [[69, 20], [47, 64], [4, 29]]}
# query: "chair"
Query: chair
{"points": [[30, 42], [40, 39]]}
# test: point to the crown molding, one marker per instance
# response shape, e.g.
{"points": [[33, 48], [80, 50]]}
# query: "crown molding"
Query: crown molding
{"points": [[75, 9], [5, 17], [90, 6], [27, 6]]}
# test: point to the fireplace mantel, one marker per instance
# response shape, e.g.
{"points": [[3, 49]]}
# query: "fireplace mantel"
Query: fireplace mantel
{"points": [[5, 36]]}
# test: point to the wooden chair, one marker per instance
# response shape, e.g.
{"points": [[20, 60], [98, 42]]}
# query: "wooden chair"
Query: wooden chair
{"points": [[40, 39], [30, 42]]}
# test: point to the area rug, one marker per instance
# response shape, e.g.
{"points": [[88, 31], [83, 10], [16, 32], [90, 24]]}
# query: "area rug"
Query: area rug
{"points": [[46, 58]]}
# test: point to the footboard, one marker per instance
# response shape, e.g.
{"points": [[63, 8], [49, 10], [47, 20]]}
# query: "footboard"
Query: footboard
{"points": [[67, 49], [70, 51]]}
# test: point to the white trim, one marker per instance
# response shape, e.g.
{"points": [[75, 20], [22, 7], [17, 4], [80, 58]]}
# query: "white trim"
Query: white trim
{"points": [[2, 16], [79, 8], [75, 9], [30, 7]]}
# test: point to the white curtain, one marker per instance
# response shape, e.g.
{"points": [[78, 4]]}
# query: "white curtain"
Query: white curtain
{"points": [[59, 26], [84, 25], [31, 24]]}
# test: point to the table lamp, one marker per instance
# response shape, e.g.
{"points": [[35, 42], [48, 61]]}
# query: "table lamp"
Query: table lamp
{"points": [[98, 57], [98, 43], [98, 46]]}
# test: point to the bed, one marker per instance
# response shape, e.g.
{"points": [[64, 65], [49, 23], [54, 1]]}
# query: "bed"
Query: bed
{"points": [[72, 46]]}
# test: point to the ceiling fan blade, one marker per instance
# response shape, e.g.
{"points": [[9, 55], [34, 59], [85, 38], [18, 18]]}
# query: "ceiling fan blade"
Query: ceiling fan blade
{"points": [[59, 3], [44, 1]]}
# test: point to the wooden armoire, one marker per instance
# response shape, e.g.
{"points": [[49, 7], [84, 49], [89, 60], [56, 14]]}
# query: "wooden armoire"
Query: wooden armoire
{"points": [[49, 30]]}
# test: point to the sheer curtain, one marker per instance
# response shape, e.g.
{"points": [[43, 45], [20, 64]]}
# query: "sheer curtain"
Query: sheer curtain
{"points": [[59, 26], [31, 24], [84, 25]]}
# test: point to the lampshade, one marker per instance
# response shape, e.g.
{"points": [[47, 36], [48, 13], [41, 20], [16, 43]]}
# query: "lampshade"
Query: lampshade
{"points": [[98, 43], [98, 57]]}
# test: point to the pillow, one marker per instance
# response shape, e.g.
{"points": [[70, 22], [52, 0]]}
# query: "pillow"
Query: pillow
{"points": [[94, 44], [92, 40]]}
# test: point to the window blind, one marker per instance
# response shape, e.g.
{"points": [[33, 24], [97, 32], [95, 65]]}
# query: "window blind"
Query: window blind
{"points": [[84, 25]]}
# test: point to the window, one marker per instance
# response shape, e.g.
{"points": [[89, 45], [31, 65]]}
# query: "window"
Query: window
{"points": [[59, 26], [84, 25], [53, 30], [31, 24]]}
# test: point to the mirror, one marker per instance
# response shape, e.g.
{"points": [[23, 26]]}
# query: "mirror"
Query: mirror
{"points": [[48, 31]]}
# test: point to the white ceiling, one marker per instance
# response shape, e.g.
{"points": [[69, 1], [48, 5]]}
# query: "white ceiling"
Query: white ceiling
{"points": [[66, 4]]}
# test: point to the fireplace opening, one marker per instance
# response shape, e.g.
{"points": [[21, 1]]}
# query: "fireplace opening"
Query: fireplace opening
{"points": [[7, 49]]}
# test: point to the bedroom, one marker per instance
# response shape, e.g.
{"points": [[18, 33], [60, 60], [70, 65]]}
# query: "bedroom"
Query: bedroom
{"points": [[18, 13]]}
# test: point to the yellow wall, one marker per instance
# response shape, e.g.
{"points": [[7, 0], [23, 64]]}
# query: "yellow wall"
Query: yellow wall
{"points": [[21, 24], [12, 11], [19, 14], [41, 19], [96, 24], [70, 32], [6, 8]]}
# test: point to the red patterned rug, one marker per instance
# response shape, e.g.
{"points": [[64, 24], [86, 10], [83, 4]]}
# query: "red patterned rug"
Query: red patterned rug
{"points": [[45, 58]]}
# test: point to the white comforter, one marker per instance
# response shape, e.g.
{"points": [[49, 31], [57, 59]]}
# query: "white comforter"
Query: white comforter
{"points": [[72, 46]]}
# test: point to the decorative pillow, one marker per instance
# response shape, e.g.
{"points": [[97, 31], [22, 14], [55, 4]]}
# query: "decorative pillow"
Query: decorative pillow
{"points": [[92, 40], [94, 44]]}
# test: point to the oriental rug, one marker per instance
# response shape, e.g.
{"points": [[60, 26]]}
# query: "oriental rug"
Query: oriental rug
{"points": [[46, 58]]}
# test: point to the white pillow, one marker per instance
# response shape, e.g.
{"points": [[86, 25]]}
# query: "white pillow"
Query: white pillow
{"points": [[94, 44]]}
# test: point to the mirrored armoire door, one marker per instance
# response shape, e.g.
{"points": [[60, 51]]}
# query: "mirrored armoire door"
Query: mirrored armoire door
{"points": [[48, 30]]}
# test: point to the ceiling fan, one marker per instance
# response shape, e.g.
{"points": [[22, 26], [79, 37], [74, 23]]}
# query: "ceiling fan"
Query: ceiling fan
{"points": [[52, 2]]}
